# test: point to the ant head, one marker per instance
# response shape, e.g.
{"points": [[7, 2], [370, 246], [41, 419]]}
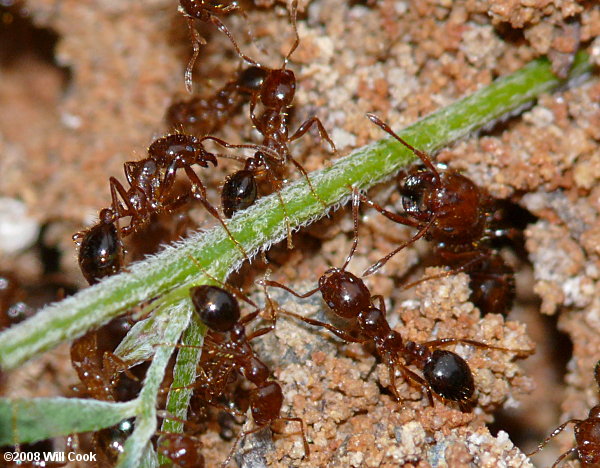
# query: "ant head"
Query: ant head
{"points": [[239, 192], [346, 294], [101, 252], [178, 146], [417, 189], [266, 402], [251, 79], [278, 89], [449, 376], [218, 309]]}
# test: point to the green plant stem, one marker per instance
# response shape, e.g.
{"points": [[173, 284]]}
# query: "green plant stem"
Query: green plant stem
{"points": [[169, 274], [264, 223]]}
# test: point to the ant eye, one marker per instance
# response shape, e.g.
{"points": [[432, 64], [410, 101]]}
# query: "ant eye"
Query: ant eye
{"points": [[415, 190], [218, 309], [449, 375]]}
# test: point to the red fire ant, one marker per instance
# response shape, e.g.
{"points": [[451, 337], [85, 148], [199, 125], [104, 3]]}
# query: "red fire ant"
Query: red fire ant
{"points": [[450, 210], [219, 311], [151, 182], [99, 370], [445, 373], [275, 92], [207, 12], [203, 116], [587, 435]]}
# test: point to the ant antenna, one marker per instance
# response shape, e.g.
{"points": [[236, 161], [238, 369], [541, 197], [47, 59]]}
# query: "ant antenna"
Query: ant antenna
{"points": [[293, 16], [421, 154]]}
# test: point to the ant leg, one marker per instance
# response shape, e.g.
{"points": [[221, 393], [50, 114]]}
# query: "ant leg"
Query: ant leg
{"points": [[288, 226], [355, 207], [421, 154], [261, 332], [211, 209], [304, 173], [412, 377], [564, 455], [242, 435], [555, 432], [255, 120], [478, 344], [275, 284], [306, 126], [379, 298], [197, 41], [302, 431], [113, 364], [251, 146], [336, 331], [116, 189], [479, 256], [388, 214], [373, 268]]}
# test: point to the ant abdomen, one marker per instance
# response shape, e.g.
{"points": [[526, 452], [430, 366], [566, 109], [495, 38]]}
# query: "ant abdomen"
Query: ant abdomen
{"points": [[449, 376], [266, 401], [218, 309], [101, 252], [240, 191], [344, 293]]}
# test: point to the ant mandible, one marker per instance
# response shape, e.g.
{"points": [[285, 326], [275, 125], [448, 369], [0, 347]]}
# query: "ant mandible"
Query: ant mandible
{"points": [[452, 211], [445, 373], [587, 435]]}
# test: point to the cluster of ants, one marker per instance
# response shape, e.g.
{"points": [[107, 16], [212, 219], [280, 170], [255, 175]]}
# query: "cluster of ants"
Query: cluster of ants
{"points": [[446, 208]]}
